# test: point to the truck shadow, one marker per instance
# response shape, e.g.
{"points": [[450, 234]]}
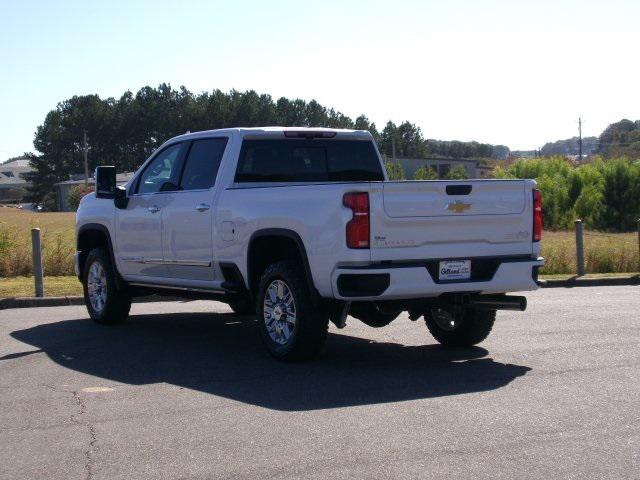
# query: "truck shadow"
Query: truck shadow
{"points": [[221, 354]]}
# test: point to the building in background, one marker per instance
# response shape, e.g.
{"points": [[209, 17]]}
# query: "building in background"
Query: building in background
{"points": [[13, 180], [63, 189]]}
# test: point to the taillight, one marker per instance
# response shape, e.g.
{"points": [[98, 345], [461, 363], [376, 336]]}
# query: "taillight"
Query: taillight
{"points": [[358, 226], [537, 216]]}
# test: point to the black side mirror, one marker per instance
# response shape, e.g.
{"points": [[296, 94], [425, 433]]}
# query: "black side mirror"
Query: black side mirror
{"points": [[120, 199], [105, 182]]}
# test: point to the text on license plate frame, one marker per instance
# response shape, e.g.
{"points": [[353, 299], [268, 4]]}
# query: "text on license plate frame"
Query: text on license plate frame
{"points": [[449, 270]]}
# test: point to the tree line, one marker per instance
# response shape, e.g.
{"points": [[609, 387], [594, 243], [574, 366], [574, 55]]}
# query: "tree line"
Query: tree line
{"points": [[125, 131], [619, 139], [570, 146], [603, 193]]}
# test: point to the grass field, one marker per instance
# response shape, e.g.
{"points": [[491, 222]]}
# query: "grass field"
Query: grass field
{"points": [[58, 242], [66, 286], [604, 253]]}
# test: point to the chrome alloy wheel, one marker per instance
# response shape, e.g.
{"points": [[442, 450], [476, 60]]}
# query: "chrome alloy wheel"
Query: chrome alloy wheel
{"points": [[279, 312], [97, 286], [445, 319]]}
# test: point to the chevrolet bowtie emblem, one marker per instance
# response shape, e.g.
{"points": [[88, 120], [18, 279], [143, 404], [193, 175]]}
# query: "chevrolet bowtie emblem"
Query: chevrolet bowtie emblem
{"points": [[457, 206]]}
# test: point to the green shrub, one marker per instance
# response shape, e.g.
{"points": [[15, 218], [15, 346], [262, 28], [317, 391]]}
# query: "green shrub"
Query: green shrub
{"points": [[394, 171], [604, 194], [425, 173], [76, 193], [457, 173]]}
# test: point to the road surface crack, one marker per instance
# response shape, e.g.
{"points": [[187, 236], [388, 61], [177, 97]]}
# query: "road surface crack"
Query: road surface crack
{"points": [[88, 453]]}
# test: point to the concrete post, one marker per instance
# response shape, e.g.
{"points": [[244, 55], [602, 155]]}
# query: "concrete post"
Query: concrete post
{"points": [[36, 245], [580, 247]]}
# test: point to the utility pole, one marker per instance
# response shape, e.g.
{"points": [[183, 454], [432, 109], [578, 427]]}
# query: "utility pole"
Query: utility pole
{"points": [[579, 139], [84, 154]]}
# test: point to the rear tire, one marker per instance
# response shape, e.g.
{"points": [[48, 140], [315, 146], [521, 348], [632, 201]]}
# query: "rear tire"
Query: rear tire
{"points": [[291, 327], [105, 303], [463, 329]]}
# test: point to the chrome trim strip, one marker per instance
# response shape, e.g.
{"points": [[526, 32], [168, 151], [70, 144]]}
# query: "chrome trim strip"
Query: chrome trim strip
{"points": [[159, 261], [131, 259], [151, 261], [188, 263]]}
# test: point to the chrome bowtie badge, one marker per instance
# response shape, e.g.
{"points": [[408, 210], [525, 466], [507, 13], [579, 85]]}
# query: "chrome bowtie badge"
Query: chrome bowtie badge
{"points": [[457, 207]]}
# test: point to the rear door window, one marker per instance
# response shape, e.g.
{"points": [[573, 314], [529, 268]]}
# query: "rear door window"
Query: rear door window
{"points": [[202, 164], [308, 161]]}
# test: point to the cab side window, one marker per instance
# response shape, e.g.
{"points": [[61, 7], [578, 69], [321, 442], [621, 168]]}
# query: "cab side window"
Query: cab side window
{"points": [[202, 164], [163, 172]]}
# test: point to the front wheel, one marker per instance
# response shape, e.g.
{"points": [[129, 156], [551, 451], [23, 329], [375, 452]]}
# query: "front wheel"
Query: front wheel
{"points": [[105, 303], [291, 327], [460, 329]]}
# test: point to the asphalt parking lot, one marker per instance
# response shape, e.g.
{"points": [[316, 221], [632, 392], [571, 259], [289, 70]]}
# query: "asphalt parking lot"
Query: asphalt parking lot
{"points": [[185, 390]]}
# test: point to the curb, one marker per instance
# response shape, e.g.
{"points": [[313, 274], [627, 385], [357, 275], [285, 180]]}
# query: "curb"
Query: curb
{"points": [[590, 282], [33, 302]]}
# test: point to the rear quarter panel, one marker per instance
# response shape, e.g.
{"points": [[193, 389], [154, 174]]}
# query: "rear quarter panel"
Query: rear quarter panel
{"points": [[313, 211]]}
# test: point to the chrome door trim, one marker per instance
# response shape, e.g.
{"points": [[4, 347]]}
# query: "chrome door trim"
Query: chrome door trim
{"points": [[132, 259], [188, 263], [159, 261]]}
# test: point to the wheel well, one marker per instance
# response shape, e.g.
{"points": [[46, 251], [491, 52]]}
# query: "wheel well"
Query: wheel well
{"points": [[88, 240], [267, 249]]}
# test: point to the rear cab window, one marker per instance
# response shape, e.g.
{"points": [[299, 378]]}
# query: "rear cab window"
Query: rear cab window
{"points": [[308, 160]]}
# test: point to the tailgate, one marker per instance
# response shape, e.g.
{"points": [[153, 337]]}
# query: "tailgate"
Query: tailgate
{"points": [[451, 219]]}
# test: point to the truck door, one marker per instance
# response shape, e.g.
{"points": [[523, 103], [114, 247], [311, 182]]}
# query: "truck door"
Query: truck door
{"points": [[188, 222], [139, 226]]}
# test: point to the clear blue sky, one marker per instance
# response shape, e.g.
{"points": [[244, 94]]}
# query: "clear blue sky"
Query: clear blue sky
{"points": [[508, 72]]}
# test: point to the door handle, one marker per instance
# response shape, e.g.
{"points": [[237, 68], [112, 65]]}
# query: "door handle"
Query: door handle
{"points": [[154, 209], [202, 207]]}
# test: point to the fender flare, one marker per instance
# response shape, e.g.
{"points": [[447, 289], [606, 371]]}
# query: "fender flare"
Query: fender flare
{"points": [[287, 233], [105, 231]]}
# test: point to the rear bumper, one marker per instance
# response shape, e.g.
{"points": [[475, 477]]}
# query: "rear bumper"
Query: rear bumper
{"points": [[397, 282]]}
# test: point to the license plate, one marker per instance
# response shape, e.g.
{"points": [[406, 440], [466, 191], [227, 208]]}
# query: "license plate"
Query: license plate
{"points": [[455, 270]]}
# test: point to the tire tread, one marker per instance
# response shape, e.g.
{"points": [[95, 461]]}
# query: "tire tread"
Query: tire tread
{"points": [[476, 327], [118, 302], [312, 323]]}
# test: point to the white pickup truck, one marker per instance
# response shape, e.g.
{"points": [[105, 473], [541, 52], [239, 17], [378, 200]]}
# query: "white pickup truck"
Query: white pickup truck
{"points": [[301, 227]]}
